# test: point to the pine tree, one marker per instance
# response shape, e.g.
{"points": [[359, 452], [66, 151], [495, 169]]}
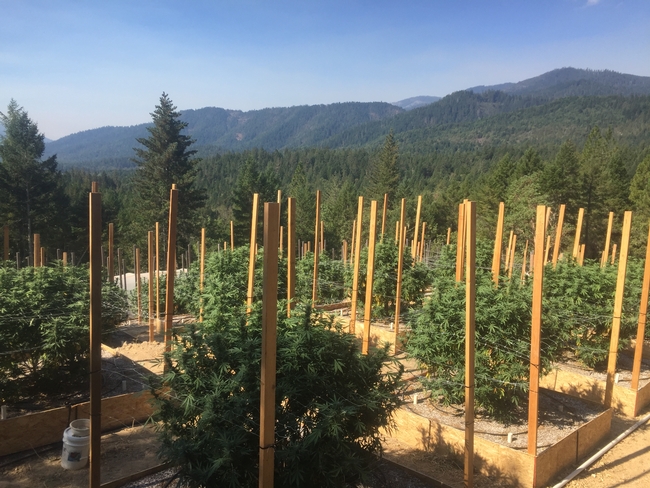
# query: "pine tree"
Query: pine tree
{"points": [[305, 204], [251, 181], [384, 173], [560, 180], [31, 201], [165, 160], [640, 200]]}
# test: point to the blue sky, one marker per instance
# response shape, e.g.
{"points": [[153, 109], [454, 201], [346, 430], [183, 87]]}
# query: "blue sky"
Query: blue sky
{"points": [[77, 65]]}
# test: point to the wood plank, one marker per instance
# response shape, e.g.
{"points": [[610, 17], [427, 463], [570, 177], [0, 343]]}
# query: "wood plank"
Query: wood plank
{"points": [[618, 308], [643, 310], [317, 250], [369, 277], [535, 340], [252, 255], [576, 240], [608, 237], [355, 276], [171, 266], [558, 235], [498, 244], [470, 316]]}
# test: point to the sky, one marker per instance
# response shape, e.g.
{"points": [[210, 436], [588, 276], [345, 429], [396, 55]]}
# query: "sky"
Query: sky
{"points": [[75, 65]]}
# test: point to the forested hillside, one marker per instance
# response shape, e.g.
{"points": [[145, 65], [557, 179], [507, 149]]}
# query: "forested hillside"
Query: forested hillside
{"points": [[217, 129]]}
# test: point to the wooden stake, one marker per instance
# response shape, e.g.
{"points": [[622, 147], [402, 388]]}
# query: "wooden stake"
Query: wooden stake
{"points": [[398, 291], [581, 255], [37, 250], [507, 264], [397, 233], [369, 277], [498, 243], [417, 227], [613, 253], [558, 235], [291, 254], [232, 235], [460, 249], [355, 276], [171, 267], [251, 256], [95, 243], [511, 261], [6, 243], [111, 253], [65, 259], [159, 324], [202, 272], [448, 235], [281, 240], [470, 314], [354, 239], [119, 266], [618, 309], [576, 241], [43, 260], [643, 310], [269, 334], [523, 263], [150, 270], [317, 240], [608, 237], [383, 216], [547, 248], [424, 228], [138, 284], [535, 340]]}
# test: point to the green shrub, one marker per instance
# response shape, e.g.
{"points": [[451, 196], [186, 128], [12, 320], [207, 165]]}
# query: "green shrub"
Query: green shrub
{"points": [[331, 279], [44, 337], [331, 402]]}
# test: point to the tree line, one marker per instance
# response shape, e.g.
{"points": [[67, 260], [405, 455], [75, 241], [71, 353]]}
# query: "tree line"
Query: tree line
{"points": [[600, 175]]}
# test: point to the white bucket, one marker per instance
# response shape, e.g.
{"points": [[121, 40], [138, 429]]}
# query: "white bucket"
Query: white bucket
{"points": [[75, 450], [80, 427]]}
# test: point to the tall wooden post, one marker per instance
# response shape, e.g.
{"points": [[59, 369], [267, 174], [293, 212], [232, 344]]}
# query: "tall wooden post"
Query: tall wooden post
{"points": [[43, 259], [281, 241], [417, 227], [202, 272], [618, 308], [608, 237], [269, 335], [613, 253], [643, 310], [448, 235], [119, 266], [470, 315], [460, 249], [291, 254], [369, 277], [536, 333], [398, 291], [111, 253], [251, 255], [37, 251], [397, 229], [95, 244], [6, 243], [558, 235], [65, 259], [354, 239], [547, 248], [576, 240], [138, 284], [151, 271], [232, 235], [424, 228], [511, 261], [498, 243], [581, 255], [344, 252], [317, 241], [158, 322], [171, 266], [507, 264], [383, 217], [523, 263], [355, 276]]}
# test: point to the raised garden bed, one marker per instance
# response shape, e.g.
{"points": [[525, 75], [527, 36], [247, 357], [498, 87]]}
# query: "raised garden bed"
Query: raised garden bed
{"points": [[574, 379], [565, 437]]}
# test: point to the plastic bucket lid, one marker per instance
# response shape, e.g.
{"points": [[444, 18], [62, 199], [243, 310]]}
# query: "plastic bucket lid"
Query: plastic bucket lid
{"points": [[80, 427]]}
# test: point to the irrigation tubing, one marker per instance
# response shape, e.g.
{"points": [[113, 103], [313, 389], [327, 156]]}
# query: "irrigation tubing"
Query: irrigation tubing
{"points": [[601, 453]]}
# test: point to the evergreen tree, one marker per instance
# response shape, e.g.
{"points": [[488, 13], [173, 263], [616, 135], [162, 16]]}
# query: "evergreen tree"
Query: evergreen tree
{"points": [[560, 180], [305, 204], [31, 201], [165, 160], [640, 200], [383, 176], [251, 181]]}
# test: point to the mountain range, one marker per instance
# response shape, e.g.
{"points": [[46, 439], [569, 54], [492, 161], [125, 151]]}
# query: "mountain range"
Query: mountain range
{"points": [[554, 106]]}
